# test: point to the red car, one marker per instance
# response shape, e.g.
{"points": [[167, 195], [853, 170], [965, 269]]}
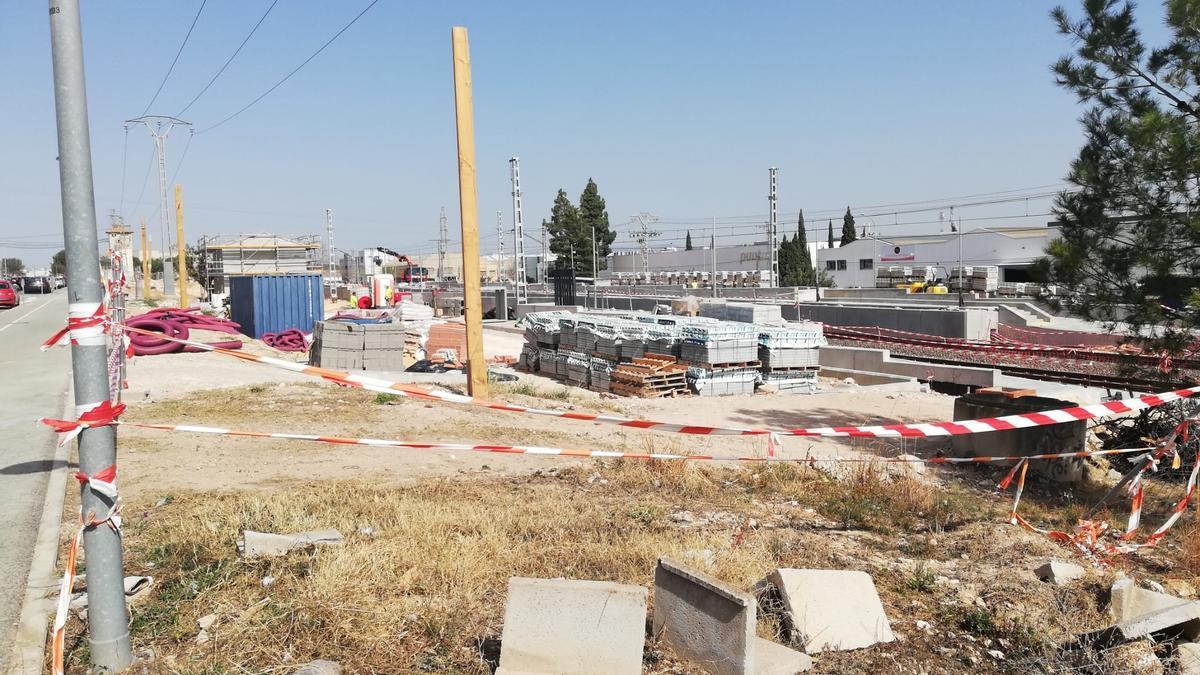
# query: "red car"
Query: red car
{"points": [[8, 295]]}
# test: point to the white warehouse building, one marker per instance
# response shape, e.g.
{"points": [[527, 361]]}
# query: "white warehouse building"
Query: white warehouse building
{"points": [[1013, 250]]}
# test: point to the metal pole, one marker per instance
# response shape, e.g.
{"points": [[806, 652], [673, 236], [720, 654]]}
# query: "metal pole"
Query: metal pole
{"points": [[107, 619], [595, 266], [519, 272], [773, 235], [499, 247], [329, 234], [164, 219], [961, 303]]}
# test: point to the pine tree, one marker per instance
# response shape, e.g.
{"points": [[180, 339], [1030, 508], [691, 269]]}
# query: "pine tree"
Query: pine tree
{"points": [[1138, 161], [563, 230], [804, 266], [830, 234], [592, 214], [687, 244], [848, 232]]}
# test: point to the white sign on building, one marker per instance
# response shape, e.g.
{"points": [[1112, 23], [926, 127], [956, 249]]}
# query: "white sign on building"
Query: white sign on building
{"points": [[890, 253]]}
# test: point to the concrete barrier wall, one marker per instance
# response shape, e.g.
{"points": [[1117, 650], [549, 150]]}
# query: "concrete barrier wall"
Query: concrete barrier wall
{"points": [[836, 358], [971, 323]]}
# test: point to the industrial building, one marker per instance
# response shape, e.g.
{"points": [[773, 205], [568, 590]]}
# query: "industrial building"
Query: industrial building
{"points": [[225, 256], [1012, 249]]}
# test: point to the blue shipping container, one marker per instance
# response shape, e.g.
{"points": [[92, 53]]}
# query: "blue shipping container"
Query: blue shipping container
{"points": [[273, 303]]}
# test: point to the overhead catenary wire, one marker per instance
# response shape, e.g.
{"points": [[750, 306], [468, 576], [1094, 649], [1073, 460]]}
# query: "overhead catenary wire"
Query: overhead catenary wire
{"points": [[176, 59], [229, 60], [294, 70]]}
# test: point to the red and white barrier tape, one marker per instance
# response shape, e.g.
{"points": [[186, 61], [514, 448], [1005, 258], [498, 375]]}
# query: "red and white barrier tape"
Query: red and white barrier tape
{"points": [[607, 454], [87, 323], [916, 430], [103, 482], [100, 415]]}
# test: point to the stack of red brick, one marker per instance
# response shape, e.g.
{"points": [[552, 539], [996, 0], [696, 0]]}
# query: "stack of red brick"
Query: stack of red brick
{"points": [[447, 336]]}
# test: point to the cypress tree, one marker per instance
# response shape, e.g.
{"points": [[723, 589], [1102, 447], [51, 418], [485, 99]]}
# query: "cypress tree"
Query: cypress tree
{"points": [[563, 230], [687, 244], [804, 266], [830, 234], [848, 232], [786, 273]]}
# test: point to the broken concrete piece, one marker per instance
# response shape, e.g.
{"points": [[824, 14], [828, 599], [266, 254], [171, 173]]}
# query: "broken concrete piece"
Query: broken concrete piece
{"points": [[205, 622], [775, 659], [1059, 572], [1187, 658], [320, 667], [569, 626], [1169, 623], [831, 609], [260, 544], [1128, 601], [709, 623]]}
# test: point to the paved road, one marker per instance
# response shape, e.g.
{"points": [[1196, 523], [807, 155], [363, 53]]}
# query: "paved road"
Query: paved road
{"points": [[32, 384]]}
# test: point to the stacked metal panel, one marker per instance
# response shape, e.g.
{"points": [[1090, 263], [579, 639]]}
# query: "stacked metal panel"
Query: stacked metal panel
{"points": [[566, 333]]}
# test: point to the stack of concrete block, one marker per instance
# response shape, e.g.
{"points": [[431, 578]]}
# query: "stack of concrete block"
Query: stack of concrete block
{"points": [[743, 312], [601, 374], [338, 346], [985, 278], [384, 346], [722, 381], [790, 355]]}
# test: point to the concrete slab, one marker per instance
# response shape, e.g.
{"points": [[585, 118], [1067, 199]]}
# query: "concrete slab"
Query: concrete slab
{"points": [[711, 624], [570, 626], [1128, 601], [266, 544], [831, 609], [1168, 624], [1059, 572], [702, 619]]}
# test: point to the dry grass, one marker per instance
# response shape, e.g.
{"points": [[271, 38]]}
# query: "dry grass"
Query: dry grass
{"points": [[424, 592]]}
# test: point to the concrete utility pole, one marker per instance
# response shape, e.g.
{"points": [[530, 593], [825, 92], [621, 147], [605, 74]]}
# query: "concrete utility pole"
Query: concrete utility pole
{"points": [[773, 229], [468, 210], [514, 170], [160, 127], [442, 246], [182, 242], [643, 237], [108, 624]]}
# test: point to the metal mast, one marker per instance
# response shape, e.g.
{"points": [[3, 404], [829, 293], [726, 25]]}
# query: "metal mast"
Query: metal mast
{"points": [[500, 246], [329, 237], [514, 171], [160, 127], [643, 237], [442, 246], [773, 229]]}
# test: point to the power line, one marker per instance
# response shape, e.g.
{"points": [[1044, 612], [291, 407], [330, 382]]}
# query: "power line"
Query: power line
{"points": [[176, 60], [229, 60], [294, 71]]}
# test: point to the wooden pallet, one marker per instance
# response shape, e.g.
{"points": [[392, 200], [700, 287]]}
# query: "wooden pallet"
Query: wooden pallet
{"points": [[725, 366], [644, 392]]}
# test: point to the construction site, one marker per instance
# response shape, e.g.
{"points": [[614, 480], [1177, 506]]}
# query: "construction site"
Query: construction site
{"points": [[319, 441]]}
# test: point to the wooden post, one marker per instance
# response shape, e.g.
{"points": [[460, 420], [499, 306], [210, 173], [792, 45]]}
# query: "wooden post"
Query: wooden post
{"points": [[182, 265], [468, 210], [145, 262]]}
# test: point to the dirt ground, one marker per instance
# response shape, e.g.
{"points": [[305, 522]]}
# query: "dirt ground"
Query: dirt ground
{"points": [[434, 535]]}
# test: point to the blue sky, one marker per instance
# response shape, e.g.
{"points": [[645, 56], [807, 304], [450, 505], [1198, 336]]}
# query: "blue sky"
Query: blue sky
{"points": [[675, 108]]}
